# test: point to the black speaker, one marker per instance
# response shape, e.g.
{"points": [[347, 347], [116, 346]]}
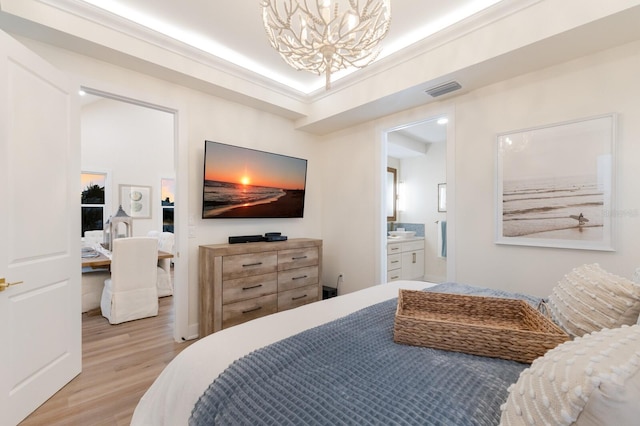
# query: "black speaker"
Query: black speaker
{"points": [[271, 238], [329, 292], [246, 239]]}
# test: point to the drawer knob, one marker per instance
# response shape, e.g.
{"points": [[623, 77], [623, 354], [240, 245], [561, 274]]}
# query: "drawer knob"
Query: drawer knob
{"points": [[299, 278], [253, 286], [245, 265], [299, 297], [252, 310]]}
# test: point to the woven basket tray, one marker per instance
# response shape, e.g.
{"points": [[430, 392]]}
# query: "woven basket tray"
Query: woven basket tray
{"points": [[486, 326]]}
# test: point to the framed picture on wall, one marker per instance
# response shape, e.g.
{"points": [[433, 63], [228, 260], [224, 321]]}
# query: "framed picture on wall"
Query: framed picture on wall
{"points": [[136, 200], [442, 197], [554, 185]]}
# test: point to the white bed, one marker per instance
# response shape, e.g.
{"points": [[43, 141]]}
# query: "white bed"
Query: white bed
{"points": [[353, 379], [171, 398]]}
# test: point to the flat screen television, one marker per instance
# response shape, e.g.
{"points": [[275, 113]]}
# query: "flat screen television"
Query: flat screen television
{"points": [[247, 183]]}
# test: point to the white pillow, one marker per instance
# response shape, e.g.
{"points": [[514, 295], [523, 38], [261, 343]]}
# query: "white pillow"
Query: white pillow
{"points": [[589, 299], [636, 279], [593, 380]]}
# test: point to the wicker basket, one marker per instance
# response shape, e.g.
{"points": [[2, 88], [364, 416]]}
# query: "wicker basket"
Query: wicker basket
{"points": [[486, 326]]}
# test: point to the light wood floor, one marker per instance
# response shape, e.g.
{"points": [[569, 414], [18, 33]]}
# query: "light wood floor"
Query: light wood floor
{"points": [[119, 363]]}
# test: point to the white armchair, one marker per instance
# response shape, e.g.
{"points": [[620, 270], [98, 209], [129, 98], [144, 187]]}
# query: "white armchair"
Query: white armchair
{"points": [[131, 292], [166, 241]]}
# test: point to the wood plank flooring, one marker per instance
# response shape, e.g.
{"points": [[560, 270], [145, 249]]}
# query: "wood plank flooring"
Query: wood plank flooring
{"points": [[119, 363]]}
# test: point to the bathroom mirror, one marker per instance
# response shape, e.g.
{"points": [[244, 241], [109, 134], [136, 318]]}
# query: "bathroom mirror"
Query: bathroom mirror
{"points": [[442, 197], [392, 194]]}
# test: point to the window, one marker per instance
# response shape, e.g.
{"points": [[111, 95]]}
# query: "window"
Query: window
{"points": [[167, 198], [92, 204]]}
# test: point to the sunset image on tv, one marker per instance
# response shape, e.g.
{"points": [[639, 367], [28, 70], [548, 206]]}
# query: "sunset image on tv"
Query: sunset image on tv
{"points": [[246, 183]]}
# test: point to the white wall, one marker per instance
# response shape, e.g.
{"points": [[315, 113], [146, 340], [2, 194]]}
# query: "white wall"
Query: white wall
{"points": [[593, 85], [596, 84], [135, 145]]}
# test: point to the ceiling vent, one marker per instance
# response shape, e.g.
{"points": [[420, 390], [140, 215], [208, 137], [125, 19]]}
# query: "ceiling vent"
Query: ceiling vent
{"points": [[443, 89]]}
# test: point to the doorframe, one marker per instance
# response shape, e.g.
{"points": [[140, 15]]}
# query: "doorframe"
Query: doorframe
{"points": [[449, 112], [177, 108]]}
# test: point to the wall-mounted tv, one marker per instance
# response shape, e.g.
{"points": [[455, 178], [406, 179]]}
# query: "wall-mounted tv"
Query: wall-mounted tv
{"points": [[247, 183]]}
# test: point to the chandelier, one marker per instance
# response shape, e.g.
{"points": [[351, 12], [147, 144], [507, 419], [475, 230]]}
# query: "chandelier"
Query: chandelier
{"points": [[325, 36]]}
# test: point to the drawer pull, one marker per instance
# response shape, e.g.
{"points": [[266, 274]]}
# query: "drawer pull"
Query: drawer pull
{"points": [[395, 277], [253, 286], [395, 248], [252, 310], [299, 258], [245, 265], [299, 297], [395, 261], [299, 278]]}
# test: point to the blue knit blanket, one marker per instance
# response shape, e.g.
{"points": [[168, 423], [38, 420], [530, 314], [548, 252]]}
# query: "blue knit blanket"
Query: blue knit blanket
{"points": [[350, 372]]}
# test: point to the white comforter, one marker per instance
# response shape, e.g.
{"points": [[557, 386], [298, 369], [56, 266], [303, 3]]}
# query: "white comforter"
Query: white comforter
{"points": [[172, 396]]}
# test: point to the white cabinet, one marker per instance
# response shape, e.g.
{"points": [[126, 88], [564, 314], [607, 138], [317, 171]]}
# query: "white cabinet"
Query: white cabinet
{"points": [[405, 260]]}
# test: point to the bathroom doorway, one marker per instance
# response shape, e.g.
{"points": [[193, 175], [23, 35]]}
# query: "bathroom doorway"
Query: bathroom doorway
{"points": [[416, 200]]}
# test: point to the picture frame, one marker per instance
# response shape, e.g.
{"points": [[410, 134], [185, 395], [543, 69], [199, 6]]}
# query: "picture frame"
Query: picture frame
{"points": [[555, 185], [442, 197], [136, 200]]}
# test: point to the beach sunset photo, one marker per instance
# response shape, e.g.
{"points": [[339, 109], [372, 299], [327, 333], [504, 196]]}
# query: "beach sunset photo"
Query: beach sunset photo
{"points": [[247, 183]]}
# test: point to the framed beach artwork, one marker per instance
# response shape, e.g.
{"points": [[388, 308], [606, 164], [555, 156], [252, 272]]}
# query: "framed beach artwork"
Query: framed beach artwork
{"points": [[555, 185], [136, 201]]}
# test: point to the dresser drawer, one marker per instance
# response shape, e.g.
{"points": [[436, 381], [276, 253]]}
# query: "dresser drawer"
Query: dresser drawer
{"points": [[294, 278], [297, 258], [394, 261], [393, 248], [239, 312], [244, 265], [297, 297], [249, 287], [394, 275], [413, 245]]}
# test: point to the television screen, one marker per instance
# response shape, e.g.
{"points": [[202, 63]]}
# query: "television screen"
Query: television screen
{"points": [[246, 183]]}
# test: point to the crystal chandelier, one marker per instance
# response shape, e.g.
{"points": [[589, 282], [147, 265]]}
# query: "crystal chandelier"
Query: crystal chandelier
{"points": [[325, 36]]}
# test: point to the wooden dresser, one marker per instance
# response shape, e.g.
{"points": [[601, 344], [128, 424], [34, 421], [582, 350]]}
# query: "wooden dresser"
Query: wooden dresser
{"points": [[240, 282]]}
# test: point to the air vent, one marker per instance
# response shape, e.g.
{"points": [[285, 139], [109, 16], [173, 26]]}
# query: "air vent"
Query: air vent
{"points": [[443, 89]]}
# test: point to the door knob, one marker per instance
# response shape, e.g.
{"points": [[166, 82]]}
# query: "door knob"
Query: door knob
{"points": [[5, 285]]}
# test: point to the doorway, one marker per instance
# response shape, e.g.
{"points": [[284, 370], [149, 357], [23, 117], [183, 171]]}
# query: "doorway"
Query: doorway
{"points": [[420, 154], [136, 143]]}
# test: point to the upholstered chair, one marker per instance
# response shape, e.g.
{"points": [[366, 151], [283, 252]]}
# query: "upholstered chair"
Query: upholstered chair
{"points": [[131, 292], [166, 241]]}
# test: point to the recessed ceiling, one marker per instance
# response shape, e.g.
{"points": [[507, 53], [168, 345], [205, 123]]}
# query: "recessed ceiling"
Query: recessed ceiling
{"points": [[233, 30]]}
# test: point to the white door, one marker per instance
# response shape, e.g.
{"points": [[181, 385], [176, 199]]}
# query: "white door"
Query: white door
{"points": [[40, 320]]}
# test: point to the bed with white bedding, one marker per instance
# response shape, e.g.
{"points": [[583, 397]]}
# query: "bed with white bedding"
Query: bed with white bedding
{"points": [[173, 396], [334, 362]]}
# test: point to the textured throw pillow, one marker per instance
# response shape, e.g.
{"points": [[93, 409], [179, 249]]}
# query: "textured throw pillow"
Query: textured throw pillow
{"points": [[589, 299], [591, 381]]}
